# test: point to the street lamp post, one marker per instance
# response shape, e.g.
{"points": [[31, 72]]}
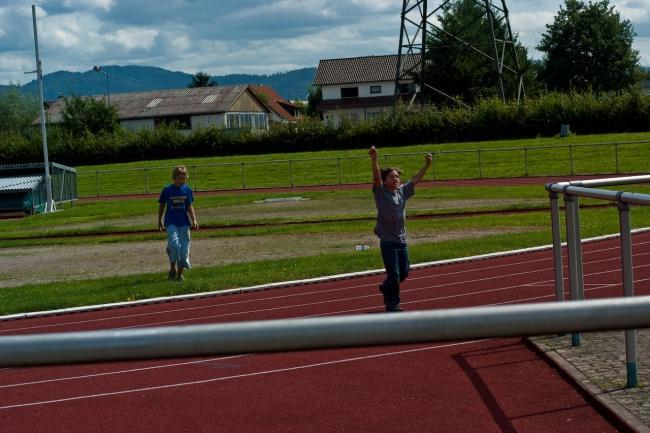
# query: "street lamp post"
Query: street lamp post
{"points": [[49, 206], [108, 88]]}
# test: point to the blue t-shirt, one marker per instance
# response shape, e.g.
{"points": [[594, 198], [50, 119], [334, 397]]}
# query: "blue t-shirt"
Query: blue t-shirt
{"points": [[391, 211], [177, 201]]}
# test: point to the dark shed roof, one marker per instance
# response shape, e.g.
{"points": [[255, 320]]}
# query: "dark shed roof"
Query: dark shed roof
{"points": [[161, 103]]}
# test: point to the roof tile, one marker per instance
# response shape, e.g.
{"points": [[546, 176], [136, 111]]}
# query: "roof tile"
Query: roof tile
{"points": [[361, 69], [160, 103]]}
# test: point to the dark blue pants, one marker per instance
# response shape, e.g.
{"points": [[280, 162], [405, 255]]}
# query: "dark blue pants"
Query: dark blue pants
{"points": [[396, 262]]}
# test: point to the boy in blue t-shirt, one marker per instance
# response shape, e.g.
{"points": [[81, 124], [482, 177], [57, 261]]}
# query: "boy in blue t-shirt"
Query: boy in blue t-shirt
{"points": [[390, 198], [177, 198]]}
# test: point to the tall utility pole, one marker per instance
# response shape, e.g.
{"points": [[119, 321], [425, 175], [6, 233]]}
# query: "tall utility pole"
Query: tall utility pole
{"points": [[49, 206], [419, 26]]}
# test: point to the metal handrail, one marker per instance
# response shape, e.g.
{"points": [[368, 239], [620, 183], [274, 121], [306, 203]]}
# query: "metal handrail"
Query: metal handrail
{"points": [[571, 191], [325, 332]]}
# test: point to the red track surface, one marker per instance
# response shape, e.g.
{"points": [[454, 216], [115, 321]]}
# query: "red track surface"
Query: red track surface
{"points": [[470, 386]]}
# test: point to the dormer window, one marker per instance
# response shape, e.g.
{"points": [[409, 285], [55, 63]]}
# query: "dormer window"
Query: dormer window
{"points": [[349, 92]]}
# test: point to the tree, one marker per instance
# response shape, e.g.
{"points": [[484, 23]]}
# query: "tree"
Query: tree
{"points": [[89, 115], [588, 47], [314, 97], [17, 110], [456, 68], [202, 79]]}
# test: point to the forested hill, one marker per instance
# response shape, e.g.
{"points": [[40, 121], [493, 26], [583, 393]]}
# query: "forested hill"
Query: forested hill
{"points": [[290, 84]]}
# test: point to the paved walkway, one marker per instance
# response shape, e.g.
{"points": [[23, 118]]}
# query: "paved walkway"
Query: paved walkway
{"points": [[598, 366]]}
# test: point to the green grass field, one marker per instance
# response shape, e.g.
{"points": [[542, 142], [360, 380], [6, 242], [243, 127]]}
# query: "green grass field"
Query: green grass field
{"points": [[611, 153], [299, 239]]}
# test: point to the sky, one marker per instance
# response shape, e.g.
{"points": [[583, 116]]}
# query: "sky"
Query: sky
{"points": [[222, 37]]}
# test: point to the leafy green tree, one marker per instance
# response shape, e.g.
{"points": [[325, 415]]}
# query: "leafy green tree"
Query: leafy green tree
{"points": [[82, 115], [202, 79], [314, 97], [18, 110], [588, 47], [457, 69]]}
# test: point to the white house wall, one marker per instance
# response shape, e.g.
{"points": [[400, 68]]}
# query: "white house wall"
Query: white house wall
{"points": [[207, 121], [334, 92]]}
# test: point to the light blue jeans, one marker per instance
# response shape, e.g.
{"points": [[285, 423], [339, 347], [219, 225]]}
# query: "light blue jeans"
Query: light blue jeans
{"points": [[178, 245]]}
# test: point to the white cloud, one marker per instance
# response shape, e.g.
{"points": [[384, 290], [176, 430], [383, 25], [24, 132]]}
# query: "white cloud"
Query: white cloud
{"points": [[133, 38], [378, 5], [643, 45], [233, 36], [180, 42], [636, 11], [15, 66], [104, 5]]}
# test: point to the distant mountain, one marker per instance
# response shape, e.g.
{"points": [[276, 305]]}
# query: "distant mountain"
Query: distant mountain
{"points": [[121, 79]]}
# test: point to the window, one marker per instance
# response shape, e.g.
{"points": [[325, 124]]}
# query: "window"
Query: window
{"points": [[154, 102], [375, 89], [246, 120], [372, 114], [349, 92]]}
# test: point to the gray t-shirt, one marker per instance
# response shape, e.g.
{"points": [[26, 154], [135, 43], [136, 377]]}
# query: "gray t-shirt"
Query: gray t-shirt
{"points": [[391, 211]]}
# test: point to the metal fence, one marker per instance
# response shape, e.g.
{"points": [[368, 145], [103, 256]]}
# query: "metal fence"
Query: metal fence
{"points": [[557, 160], [571, 191], [325, 332]]}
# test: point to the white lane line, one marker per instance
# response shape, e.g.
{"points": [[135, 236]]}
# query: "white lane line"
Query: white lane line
{"points": [[112, 373], [436, 286], [314, 292], [347, 311], [308, 304], [238, 376]]}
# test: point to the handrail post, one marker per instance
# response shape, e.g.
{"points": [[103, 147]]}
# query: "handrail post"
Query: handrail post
{"points": [[628, 290], [433, 166], [574, 253], [557, 246], [526, 161], [338, 170], [243, 175], [291, 173]]}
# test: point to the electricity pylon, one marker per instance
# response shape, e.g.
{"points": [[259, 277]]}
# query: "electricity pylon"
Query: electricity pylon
{"points": [[416, 59]]}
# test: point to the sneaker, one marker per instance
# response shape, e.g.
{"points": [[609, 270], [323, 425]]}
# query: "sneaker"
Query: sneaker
{"points": [[180, 278], [171, 275], [394, 308]]}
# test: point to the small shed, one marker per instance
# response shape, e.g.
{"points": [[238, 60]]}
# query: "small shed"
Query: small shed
{"points": [[23, 189]]}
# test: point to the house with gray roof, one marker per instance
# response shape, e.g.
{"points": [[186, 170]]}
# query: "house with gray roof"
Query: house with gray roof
{"points": [[232, 107], [360, 88]]}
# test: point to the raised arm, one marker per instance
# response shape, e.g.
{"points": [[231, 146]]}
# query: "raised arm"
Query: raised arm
{"points": [[420, 174], [376, 173]]}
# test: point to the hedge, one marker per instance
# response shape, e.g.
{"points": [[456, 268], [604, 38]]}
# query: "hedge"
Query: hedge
{"points": [[489, 119]]}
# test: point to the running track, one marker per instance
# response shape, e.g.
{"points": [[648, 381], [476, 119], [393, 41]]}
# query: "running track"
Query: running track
{"points": [[469, 386]]}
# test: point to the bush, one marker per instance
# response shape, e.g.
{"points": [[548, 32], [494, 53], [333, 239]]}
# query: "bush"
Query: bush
{"points": [[488, 119]]}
